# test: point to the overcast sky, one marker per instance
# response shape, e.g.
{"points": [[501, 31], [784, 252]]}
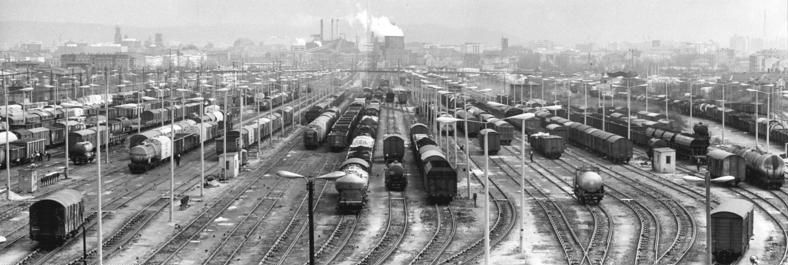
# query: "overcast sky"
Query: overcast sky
{"points": [[568, 21]]}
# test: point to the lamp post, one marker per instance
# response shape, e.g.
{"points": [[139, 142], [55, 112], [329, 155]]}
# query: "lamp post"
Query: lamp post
{"points": [[224, 139], [310, 190], [8, 144], [486, 200], [99, 194], [757, 112], [707, 182], [522, 118]]}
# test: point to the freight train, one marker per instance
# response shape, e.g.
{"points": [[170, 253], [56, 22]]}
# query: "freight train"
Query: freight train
{"points": [[352, 187], [158, 146], [440, 179]]}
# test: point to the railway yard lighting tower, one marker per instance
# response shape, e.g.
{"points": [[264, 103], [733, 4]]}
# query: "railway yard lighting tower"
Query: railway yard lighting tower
{"points": [[522, 118], [310, 191], [707, 182]]}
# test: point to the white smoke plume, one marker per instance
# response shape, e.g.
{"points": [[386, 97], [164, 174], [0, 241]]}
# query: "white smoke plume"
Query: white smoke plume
{"points": [[381, 25]]}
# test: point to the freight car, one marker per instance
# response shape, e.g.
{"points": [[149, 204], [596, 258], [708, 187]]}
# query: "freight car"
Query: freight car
{"points": [[550, 146], [588, 185], [316, 110], [532, 125], [393, 147], [731, 230], [614, 147], [367, 125], [722, 163], [473, 124], [352, 187], [57, 217], [763, 169], [343, 128], [446, 128], [493, 138], [418, 128], [440, 179], [500, 110], [395, 176], [402, 96], [316, 132]]}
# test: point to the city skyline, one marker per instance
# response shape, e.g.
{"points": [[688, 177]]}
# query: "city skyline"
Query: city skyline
{"points": [[565, 22]]}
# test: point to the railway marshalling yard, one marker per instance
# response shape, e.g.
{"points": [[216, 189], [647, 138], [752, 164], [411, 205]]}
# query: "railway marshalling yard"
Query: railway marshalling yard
{"points": [[259, 218]]}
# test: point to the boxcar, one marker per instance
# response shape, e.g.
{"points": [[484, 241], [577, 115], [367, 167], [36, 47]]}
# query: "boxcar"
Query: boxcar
{"points": [[557, 130], [722, 163], [550, 146], [393, 147], [493, 138], [732, 227], [57, 217]]}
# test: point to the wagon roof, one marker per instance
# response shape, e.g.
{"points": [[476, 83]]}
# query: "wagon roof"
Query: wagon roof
{"points": [[64, 197], [719, 154], [393, 136], [738, 207]]}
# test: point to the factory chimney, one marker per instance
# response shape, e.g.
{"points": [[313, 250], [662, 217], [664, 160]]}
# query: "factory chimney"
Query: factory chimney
{"points": [[332, 29], [321, 29]]}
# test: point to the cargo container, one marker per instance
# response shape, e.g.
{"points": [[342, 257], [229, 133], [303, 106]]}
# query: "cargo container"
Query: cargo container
{"points": [[732, 229]]}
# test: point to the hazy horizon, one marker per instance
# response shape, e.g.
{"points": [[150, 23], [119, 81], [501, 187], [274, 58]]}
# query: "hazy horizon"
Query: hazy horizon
{"points": [[571, 21]]}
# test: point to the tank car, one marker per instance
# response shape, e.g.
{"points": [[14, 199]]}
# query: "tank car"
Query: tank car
{"points": [[150, 154], [57, 217], [763, 169], [367, 125], [588, 185], [395, 176], [82, 152], [317, 130], [352, 187]]}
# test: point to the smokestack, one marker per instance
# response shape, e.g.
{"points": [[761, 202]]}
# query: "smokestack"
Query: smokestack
{"points": [[339, 35], [332, 29], [321, 29]]}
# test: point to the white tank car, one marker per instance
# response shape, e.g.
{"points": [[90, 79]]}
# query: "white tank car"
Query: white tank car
{"points": [[588, 185]]}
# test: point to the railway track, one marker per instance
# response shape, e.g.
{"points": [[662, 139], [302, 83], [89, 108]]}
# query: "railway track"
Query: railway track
{"points": [[646, 251], [176, 243], [597, 248], [166, 252], [396, 228], [116, 201], [776, 213], [339, 238], [686, 229], [573, 249], [284, 244], [446, 229], [231, 244], [505, 219]]}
